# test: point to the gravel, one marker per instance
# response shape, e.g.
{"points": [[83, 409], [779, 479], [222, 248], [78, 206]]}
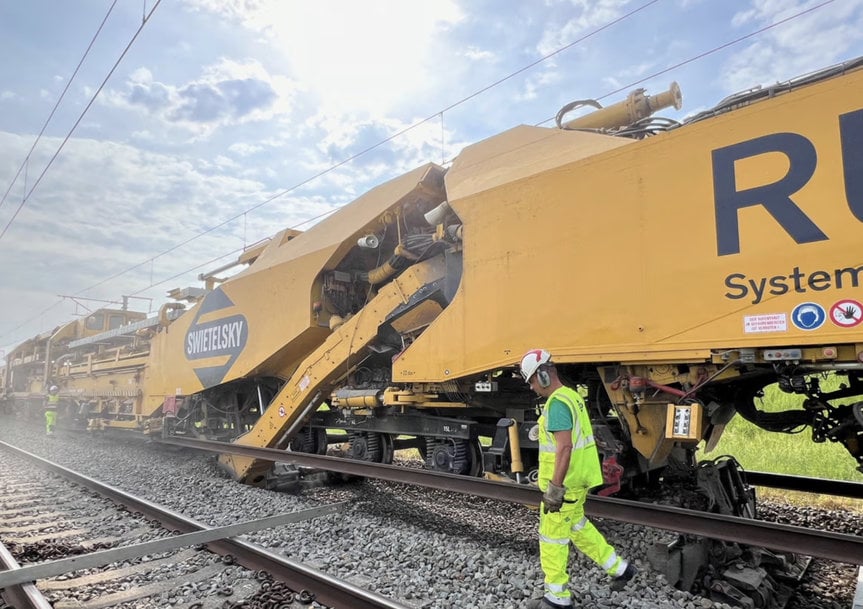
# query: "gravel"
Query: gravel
{"points": [[427, 549]]}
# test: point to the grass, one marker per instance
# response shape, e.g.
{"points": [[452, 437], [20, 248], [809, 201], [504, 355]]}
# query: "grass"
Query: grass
{"points": [[795, 454]]}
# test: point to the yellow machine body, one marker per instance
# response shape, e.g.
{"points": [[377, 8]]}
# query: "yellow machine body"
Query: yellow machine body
{"points": [[263, 320], [672, 274], [602, 254], [107, 378]]}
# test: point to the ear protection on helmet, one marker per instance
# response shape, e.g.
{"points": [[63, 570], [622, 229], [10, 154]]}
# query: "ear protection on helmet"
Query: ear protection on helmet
{"points": [[543, 378]]}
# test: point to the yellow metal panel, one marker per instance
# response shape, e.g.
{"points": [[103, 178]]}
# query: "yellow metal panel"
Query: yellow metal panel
{"points": [[273, 297], [521, 152], [355, 219], [343, 349], [617, 256]]}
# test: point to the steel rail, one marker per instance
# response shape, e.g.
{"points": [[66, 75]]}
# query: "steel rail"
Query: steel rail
{"points": [[101, 558], [21, 596], [328, 590], [823, 486], [780, 537]]}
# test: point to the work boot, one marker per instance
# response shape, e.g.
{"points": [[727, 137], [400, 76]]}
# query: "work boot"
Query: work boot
{"points": [[619, 582], [543, 603]]}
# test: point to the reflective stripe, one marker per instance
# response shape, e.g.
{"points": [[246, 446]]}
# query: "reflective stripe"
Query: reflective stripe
{"points": [[576, 425], [558, 588], [580, 524], [579, 441], [561, 542], [582, 442], [555, 600], [621, 569], [610, 562], [584, 471]]}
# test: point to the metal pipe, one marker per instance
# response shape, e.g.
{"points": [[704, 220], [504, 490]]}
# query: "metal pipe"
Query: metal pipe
{"points": [[515, 448], [635, 107], [46, 373], [357, 398]]}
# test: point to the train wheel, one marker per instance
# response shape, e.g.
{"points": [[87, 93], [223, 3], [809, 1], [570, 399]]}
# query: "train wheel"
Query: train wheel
{"points": [[475, 467], [370, 446], [453, 456], [388, 449], [310, 440]]}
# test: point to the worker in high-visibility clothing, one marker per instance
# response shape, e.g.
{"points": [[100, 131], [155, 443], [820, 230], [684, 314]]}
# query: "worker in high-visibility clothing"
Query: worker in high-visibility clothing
{"points": [[51, 405], [568, 468]]}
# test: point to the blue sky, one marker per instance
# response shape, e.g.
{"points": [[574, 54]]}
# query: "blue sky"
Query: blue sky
{"points": [[221, 104]]}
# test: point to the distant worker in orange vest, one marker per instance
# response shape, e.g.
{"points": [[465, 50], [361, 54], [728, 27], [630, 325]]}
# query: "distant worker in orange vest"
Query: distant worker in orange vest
{"points": [[568, 468], [51, 406]]}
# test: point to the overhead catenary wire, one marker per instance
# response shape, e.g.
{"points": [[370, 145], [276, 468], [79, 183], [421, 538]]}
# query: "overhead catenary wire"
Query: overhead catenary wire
{"points": [[26, 160], [376, 145], [707, 53], [449, 107], [610, 93], [53, 158]]}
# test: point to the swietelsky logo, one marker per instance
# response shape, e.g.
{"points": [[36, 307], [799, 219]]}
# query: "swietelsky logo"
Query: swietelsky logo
{"points": [[222, 337]]}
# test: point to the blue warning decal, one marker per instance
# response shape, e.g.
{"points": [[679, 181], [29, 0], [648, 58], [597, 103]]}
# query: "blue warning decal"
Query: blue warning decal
{"points": [[808, 316]]}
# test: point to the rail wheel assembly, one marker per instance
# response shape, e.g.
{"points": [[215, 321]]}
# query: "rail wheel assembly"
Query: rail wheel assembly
{"points": [[370, 446], [452, 456]]}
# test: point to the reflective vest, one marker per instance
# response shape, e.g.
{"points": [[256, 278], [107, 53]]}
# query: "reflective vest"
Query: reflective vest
{"points": [[53, 401], [584, 470]]}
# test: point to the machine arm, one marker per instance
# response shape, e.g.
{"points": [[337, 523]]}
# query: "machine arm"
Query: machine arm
{"points": [[317, 374]]}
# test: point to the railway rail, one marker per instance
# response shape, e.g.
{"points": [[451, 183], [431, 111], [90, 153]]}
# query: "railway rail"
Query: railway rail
{"points": [[823, 544], [821, 486], [428, 548], [305, 582]]}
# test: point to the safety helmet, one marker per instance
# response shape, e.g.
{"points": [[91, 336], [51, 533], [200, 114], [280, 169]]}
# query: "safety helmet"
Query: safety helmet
{"points": [[53, 389], [532, 360]]}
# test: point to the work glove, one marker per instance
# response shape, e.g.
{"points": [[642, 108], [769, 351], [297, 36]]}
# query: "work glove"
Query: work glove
{"points": [[552, 499]]}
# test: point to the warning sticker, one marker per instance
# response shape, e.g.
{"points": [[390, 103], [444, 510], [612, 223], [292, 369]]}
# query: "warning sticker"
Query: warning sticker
{"points": [[808, 316], [305, 382], [768, 322], [846, 313]]}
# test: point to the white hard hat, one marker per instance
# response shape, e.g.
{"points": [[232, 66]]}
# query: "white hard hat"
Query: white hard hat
{"points": [[532, 360], [54, 388]]}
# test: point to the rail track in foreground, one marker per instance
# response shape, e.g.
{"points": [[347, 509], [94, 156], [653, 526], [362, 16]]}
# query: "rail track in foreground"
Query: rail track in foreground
{"points": [[283, 583], [782, 537]]}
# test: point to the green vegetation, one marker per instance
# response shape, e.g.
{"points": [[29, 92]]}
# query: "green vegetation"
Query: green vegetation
{"points": [[795, 454]]}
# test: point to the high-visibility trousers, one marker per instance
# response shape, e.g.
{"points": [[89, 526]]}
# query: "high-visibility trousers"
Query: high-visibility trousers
{"points": [[50, 420], [556, 531]]}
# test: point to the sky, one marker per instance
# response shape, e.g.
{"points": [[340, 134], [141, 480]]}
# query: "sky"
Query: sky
{"points": [[195, 128]]}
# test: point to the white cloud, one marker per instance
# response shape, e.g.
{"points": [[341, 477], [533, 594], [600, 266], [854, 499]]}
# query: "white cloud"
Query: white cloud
{"points": [[365, 56], [143, 136], [588, 15], [229, 92], [244, 149], [476, 54], [129, 203], [811, 41]]}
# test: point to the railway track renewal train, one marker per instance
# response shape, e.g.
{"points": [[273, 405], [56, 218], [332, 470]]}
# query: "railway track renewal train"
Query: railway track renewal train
{"points": [[673, 270]]}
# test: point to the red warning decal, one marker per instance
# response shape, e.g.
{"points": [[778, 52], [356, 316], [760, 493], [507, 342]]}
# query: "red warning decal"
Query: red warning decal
{"points": [[846, 313]]}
